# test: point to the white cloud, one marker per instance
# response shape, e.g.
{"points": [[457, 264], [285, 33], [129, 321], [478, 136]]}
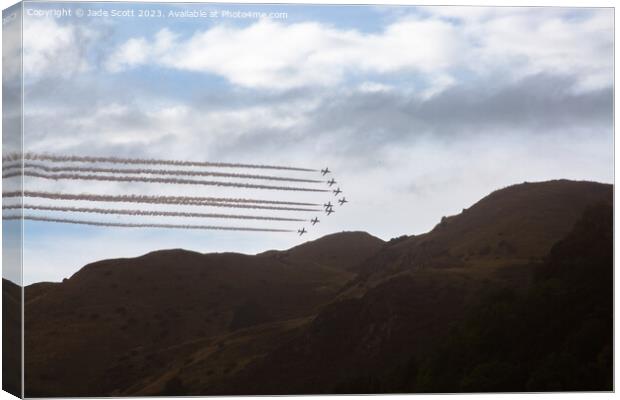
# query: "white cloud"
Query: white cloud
{"points": [[511, 42], [554, 45], [138, 51], [159, 128], [277, 56], [131, 53], [52, 49], [374, 87], [11, 48], [438, 84]]}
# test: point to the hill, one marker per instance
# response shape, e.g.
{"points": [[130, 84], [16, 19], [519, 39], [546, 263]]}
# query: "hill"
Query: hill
{"points": [[131, 306], [11, 338], [512, 227], [347, 313], [560, 330], [410, 334]]}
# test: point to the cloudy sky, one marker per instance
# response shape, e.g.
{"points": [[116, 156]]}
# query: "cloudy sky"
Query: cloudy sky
{"points": [[418, 111]]}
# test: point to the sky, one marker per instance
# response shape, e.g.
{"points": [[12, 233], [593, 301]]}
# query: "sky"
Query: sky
{"points": [[418, 111]]}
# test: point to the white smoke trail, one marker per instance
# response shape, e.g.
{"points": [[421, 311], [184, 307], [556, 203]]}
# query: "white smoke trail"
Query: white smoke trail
{"points": [[139, 225], [196, 199], [172, 181], [178, 200], [119, 160], [107, 211], [9, 173]]}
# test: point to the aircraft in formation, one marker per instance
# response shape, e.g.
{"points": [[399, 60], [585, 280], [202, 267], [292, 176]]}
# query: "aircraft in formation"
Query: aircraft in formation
{"points": [[329, 207]]}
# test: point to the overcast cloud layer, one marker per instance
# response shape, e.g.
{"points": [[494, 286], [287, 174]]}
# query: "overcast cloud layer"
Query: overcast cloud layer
{"points": [[419, 113]]}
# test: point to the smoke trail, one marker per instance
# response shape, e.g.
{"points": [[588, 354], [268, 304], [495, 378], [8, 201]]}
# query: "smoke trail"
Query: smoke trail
{"points": [[172, 181], [148, 171], [119, 160], [130, 225], [10, 165], [196, 199], [190, 201], [107, 211]]}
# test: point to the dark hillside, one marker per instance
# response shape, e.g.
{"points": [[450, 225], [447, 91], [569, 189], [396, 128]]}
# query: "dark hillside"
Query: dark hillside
{"points": [[11, 337], [415, 334], [556, 337], [513, 294], [131, 307]]}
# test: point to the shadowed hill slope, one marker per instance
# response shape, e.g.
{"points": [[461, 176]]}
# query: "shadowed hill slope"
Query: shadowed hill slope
{"points": [[420, 333], [11, 337], [345, 313], [138, 305], [560, 330]]}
